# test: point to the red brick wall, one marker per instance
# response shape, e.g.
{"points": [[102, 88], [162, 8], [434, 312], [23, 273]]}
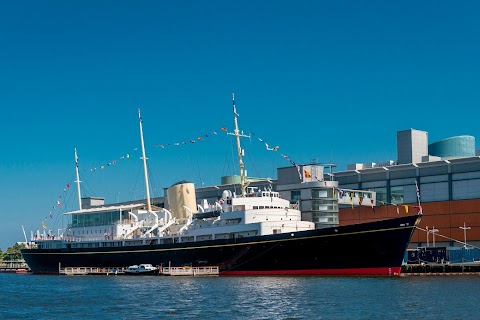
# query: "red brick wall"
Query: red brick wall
{"points": [[446, 216]]}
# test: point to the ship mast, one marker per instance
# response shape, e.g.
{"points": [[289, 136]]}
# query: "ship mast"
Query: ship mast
{"points": [[144, 157], [78, 181], [243, 173]]}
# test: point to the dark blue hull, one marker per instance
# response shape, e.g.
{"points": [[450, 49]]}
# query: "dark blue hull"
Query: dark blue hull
{"points": [[375, 248]]}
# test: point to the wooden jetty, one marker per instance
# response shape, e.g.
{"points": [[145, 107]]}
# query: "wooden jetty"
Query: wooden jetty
{"points": [[83, 271], [189, 271], [163, 271]]}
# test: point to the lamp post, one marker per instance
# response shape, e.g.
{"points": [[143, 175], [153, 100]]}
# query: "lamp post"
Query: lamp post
{"points": [[433, 231], [465, 228]]}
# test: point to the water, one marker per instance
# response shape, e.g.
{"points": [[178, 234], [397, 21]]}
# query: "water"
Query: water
{"points": [[121, 297]]}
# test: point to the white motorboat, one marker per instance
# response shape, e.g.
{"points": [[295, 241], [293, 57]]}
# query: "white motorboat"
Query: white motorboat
{"points": [[142, 269]]}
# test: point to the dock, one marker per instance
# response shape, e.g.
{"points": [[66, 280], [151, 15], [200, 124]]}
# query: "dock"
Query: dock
{"points": [[162, 271], [83, 271], [432, 268], [189, 271]]}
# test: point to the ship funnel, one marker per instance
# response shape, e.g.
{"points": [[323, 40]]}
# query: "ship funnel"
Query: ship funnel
{"points": [[179, 195]]}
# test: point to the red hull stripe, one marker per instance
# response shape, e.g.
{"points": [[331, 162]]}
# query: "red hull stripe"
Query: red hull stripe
{"points": [[393, 271]]}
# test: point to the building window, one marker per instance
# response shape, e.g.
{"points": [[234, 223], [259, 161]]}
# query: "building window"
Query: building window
{"points": [[317, 193], [396, 194], [381, 195], [296, 195]]}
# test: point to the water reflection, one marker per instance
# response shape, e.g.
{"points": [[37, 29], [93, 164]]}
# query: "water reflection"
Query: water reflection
{"points": [[121, 297]]}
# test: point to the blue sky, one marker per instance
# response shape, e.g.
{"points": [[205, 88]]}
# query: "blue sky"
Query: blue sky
{"points": [[330, 80]]}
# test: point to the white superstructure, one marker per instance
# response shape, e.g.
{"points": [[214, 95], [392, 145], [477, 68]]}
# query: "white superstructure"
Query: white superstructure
{"points": [[254, 213]]}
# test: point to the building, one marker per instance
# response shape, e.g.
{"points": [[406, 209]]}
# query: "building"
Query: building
{"points": [[454, 147], [449, 192], [448, 178], [316, 196], [412, 145]]}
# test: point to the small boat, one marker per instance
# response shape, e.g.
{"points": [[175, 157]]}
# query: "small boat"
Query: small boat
{"points": [[143, 269]]}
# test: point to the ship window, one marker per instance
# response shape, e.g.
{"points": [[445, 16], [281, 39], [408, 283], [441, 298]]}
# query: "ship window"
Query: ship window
{"points": [[255, 207]]}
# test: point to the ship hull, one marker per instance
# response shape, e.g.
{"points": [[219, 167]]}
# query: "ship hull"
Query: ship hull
{"points": [[375, 248]]}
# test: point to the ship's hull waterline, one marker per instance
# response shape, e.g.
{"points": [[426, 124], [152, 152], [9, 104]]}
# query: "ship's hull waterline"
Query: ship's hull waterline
{"points": [[375, 248]]}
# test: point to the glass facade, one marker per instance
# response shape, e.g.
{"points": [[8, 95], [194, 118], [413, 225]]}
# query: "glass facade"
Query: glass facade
{"points": [[324, 208], [396, 194], [461, 146], [98, 219], [381, 194], [296, 195]]}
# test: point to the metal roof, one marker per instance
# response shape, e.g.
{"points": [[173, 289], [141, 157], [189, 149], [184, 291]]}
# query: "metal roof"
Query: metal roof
{"points": [[106, 209]]}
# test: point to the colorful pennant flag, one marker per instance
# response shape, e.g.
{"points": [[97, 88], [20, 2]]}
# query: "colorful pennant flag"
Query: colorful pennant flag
{"points": [[307, 174]]}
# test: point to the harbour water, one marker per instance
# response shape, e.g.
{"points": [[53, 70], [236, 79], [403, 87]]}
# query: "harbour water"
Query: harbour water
{"points": [[156, 297]]}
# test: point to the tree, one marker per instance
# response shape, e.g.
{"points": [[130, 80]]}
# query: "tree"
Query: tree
{"points": [[13, 253], [1, 254]]}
